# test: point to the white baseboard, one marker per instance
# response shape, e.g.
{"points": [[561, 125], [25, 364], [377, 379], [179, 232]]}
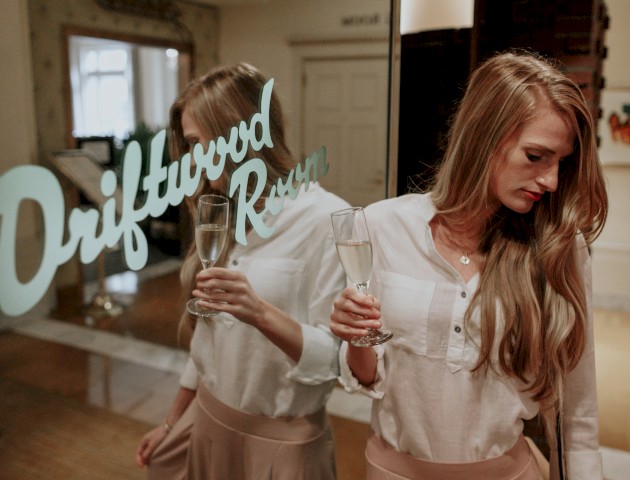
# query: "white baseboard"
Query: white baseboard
{"points": [[616, 464], [611, 302]]}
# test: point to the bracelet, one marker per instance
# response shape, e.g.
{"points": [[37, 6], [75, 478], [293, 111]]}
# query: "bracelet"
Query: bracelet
{"points": [[167, 426]]}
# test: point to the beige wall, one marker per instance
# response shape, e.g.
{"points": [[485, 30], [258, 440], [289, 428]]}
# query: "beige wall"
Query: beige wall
{"points": [[611, 252], [17, 121]]}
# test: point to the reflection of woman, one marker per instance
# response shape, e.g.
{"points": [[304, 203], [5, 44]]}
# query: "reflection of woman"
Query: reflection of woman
{"points": [[485, 282], [251, 402]]}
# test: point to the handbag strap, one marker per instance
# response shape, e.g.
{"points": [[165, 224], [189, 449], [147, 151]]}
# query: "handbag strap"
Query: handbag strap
{"points": [[560, 446]]}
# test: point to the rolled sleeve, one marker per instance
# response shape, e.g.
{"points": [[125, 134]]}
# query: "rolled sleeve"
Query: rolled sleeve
{"points": [[319, 360], [580, 466], [189, 378], [584, 465], [350, 383]]}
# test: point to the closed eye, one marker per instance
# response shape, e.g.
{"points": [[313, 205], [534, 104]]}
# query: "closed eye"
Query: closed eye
{"points": [[533, 158], [190, 143]]}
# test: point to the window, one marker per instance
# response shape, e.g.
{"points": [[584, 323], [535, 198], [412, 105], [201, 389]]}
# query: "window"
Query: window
{"points": [[116, 85]]}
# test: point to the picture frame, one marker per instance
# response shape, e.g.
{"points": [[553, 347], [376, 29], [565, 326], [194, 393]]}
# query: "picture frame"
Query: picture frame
{"points": [[614, 127]]}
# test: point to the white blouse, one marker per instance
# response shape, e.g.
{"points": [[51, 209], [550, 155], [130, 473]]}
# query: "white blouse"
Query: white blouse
{"points": [[298, 271], [427, 401]]}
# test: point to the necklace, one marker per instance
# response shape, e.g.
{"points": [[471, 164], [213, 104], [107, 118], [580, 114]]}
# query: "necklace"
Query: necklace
{"points": [[465, 258]]}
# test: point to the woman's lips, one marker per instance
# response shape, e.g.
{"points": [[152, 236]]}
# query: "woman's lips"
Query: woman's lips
{"points": [[535, 196]]}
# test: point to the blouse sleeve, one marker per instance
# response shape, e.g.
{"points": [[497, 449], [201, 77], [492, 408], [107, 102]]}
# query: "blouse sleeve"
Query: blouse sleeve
{"points": [[350, 382], [580, 416], [189, 377], [319, 360]]}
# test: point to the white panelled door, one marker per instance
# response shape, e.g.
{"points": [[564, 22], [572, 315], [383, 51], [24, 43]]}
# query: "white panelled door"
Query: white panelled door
{"points": [[345, 109]]}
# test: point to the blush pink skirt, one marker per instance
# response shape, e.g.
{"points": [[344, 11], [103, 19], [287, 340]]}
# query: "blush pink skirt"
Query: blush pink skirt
{"points": [[386, 463], [213, 441]]}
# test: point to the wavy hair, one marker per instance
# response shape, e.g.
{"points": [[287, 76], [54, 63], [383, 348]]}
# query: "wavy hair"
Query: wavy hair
{"points": [[218, 101], [530, 268]]}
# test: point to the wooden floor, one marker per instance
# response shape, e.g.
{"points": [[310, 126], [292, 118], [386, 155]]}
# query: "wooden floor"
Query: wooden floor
{"points": [[51, 428], [49, 425]]}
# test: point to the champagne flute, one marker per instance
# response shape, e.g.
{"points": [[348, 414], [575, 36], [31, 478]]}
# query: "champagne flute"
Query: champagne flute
{"points": [[211, 230], [354, 248]]}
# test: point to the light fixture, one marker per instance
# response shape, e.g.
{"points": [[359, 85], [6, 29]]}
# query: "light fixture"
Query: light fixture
{"points": [[423, 15]]}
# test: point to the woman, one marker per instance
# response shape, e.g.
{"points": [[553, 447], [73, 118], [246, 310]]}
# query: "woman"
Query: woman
{"points": [[252, 397], [485, 282]]}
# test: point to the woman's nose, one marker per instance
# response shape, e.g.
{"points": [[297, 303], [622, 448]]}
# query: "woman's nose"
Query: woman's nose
{"points": [[548, 179]]}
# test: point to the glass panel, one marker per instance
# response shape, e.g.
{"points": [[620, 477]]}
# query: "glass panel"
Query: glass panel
{"points": [[112, 60], [89, 61]]}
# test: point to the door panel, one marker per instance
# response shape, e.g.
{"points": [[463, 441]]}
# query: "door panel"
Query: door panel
{"points": [[345, 110]]}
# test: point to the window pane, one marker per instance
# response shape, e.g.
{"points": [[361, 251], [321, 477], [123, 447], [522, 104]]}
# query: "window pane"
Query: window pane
{"points": [[112, 60], [90, 61], [105, 85], [107, 106], [114, 104]]}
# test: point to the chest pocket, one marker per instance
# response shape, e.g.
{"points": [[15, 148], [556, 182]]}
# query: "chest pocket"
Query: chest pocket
{"points": [[279, 282], [405, 304]]}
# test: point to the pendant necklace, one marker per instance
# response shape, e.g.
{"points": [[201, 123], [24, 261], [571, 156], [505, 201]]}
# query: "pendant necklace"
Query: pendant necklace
{"points": [[465, 258]]}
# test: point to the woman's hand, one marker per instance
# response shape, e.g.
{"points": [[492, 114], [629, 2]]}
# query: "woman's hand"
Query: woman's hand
{"points": [[148, 444], [354, 313], [229, 291]]}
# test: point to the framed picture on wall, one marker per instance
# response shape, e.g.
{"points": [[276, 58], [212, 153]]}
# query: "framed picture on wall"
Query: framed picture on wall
{"points": [[614, 127]]}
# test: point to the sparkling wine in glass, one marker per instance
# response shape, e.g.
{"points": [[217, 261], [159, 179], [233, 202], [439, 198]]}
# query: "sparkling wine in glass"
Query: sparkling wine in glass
{"points": [[211, 230], [354, 248]]}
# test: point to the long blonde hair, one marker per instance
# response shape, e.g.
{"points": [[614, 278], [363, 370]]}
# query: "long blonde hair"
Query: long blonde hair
{"points": [[530, 266], [218, 101]]}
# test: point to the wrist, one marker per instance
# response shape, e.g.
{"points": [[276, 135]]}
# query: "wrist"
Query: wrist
{"points": [[266, 319], [167, 427]]}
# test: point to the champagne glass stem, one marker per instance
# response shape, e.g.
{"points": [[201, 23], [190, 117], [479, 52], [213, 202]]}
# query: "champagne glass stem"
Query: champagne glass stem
{"points": [[374, 336]]}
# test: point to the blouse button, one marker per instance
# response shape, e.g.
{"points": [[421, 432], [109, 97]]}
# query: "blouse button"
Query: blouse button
{"points": [[458, 329], [463, 294], [235, 262]]}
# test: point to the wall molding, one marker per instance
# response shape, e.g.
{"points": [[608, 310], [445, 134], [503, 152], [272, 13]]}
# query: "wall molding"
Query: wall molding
{"points": [[609, 246], [611, 302]]}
